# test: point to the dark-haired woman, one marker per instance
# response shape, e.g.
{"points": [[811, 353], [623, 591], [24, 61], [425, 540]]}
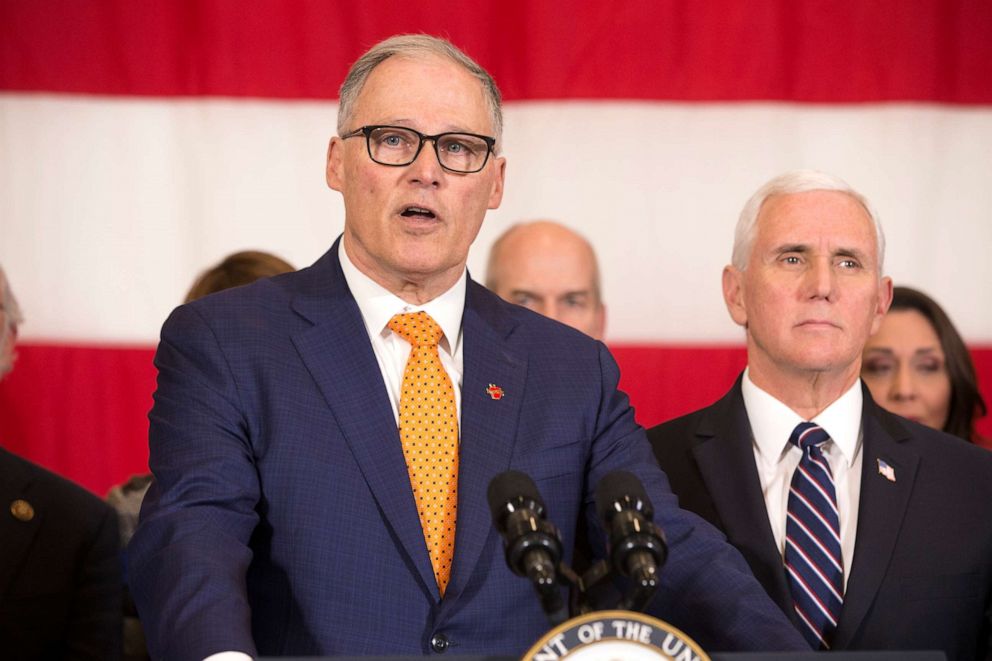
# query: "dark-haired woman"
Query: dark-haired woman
{"points": [[917, 366]]}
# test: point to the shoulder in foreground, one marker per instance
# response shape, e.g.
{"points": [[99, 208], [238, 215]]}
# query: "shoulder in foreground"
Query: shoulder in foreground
{"points": [[702, 421], [676, 429], [526, 322], [275, 288], [247, 310]]}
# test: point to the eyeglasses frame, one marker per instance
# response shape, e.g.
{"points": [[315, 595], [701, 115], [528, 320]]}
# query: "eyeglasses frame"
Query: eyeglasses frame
{"points": [[367, 132]]}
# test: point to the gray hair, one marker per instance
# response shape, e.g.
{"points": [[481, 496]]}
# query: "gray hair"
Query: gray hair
{"points": [[12, 316], [414, 46], [9, 303], [796, 181]]}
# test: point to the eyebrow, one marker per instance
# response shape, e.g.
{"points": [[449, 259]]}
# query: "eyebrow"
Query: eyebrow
{"points": [[803, 248], [792, 247], [525, 292], [888, 351], [573, 293], [851, 252]]}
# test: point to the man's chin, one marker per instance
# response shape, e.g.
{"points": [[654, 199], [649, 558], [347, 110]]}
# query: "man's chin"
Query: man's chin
{"points": [[824, 364]]}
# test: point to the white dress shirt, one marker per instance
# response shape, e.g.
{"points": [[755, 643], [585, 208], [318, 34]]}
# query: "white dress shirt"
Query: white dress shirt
{"points": [[772, 423], [378, 306]]}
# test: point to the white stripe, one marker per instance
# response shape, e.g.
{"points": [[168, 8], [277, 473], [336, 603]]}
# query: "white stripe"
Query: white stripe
{"points": [[811, 595], [110, 207], [809, 562], [834, 533], [816, 485], [810, 625], [813, 538]]}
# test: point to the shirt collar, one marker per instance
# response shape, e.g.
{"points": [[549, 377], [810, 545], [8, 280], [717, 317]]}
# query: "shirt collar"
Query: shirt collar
{"points": [[772, 421], [378, 305]]}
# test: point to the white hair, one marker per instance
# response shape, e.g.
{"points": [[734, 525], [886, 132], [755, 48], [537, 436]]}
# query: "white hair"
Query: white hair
{"points": [[796, 181]]}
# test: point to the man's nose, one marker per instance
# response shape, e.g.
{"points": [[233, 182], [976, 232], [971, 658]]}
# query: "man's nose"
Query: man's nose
{"points": [[820, 279], [552, 310], [426, 168]]}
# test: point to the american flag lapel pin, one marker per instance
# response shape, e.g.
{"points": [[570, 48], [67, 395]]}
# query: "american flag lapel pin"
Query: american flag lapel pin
{"points": [[886, 471], [495, 391]]}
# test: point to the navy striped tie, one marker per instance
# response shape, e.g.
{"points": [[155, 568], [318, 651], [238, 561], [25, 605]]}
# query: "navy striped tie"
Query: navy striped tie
{"points": [[812, 540]]}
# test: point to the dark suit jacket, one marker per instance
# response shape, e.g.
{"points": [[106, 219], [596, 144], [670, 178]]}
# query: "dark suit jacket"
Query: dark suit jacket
{"points": [[282, 519], [922, 571], [60, 576]]}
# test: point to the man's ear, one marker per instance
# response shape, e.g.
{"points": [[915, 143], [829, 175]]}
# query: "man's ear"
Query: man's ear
{"points": [[335, 163], [884, 301], [733, 294], [496, 196]]}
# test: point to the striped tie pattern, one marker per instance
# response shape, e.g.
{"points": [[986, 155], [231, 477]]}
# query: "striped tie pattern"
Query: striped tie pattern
{"points": [[429, 433], [812, 539]]}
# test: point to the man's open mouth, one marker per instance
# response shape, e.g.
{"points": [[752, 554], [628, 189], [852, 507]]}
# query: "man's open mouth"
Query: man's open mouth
{"points": [[417, 212]]}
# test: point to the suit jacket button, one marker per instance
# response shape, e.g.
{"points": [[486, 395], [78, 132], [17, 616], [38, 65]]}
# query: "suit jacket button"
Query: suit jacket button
{"points": [[439, 643], [22, 510]]}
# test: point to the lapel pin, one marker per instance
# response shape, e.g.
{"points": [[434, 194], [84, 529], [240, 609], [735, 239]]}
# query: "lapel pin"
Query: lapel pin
{"points": [[22, 510], [495, 391], [886, 471]]}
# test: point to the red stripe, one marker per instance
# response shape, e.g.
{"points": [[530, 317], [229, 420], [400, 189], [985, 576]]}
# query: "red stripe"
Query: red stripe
{"points": [[815, 512], [719, 50], [810, 625], [82, 410], [812, 595]]}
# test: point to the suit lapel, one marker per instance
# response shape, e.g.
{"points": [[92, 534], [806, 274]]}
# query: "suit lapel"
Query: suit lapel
{"points": [[337, 352], [882, 507], [488, 430], [16, 534], [723, 451]]}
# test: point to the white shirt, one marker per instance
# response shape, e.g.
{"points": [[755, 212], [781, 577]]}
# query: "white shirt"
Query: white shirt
{"points": [[772, 423], [378, 306]]}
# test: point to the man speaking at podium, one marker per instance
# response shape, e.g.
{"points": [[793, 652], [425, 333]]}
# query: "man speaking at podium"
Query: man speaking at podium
{"points": [[322, 441]]}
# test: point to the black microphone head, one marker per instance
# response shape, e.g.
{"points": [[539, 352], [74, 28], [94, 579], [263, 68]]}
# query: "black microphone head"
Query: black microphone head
{"points": [[621, 490], [511, 491]]}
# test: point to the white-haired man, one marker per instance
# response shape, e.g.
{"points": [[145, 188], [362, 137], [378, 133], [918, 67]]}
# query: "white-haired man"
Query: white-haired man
{"points": [[60, 574], [868, 530]]}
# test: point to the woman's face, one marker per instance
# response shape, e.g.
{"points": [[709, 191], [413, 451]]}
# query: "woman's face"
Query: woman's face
{"points": [[905, 369]]}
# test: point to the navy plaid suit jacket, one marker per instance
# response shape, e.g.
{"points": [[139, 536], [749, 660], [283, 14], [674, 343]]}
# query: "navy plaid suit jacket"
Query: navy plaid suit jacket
{"points": [[282, 520]]}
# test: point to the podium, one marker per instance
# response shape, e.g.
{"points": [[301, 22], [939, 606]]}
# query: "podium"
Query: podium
{"points": [[727, 656]]}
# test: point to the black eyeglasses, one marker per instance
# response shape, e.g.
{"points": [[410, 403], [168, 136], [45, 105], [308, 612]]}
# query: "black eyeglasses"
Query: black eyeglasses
{"points": [[397, 146]]}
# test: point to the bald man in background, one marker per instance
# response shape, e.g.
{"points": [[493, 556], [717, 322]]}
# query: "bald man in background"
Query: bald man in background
{"points": [[550, 269]]}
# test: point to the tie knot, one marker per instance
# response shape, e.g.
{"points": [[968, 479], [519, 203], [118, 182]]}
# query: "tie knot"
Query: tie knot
{"points": [[808, 434], [417, 328]]}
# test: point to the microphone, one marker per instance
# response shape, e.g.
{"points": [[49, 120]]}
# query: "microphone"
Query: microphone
{"points": [[637, 546], [532, 544]]}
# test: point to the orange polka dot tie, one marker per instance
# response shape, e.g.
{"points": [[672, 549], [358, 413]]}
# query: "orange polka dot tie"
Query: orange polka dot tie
{"points": [[429, 432]]}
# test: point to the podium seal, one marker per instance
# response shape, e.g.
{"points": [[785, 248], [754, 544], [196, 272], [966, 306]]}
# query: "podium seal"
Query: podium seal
{"points": [[615, 636]]}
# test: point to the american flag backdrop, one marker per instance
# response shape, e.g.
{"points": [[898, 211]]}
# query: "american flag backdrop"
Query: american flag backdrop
{"points": [[141, 141]]}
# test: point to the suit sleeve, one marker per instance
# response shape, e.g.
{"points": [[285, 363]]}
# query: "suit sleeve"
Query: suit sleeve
{"points": [[95, 621], [707, 589], [189, 556]]}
